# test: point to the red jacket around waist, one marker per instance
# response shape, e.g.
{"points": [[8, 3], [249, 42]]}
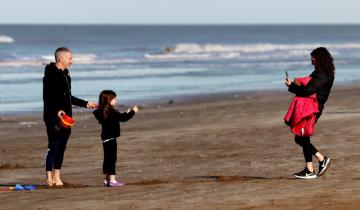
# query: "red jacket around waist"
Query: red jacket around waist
{"points": [[301, 116]]}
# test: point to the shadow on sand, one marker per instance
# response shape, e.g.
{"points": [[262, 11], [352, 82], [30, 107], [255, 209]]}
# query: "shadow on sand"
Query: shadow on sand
{"points": [[192, 179]]}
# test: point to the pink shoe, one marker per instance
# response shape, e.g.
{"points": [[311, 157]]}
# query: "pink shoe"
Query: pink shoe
{"points": [[116, 184]]}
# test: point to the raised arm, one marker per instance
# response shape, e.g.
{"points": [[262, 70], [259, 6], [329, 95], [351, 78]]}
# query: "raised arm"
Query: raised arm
{"points": [[78, 102], [123, 117]]}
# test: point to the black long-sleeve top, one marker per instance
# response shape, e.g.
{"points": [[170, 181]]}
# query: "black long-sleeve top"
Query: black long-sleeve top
{"points": [[320, 83], [111, 125], [57, 94]]}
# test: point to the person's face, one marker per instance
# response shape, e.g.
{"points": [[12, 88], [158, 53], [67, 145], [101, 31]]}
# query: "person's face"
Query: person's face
{"points": [[66, 60], [313, 61], [113, 102]]}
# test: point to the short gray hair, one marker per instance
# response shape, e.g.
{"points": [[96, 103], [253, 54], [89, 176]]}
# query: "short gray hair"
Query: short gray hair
{"points": [[60, 50]]}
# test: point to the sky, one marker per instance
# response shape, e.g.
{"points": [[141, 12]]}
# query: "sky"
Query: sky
{"points": [[180, 12]]}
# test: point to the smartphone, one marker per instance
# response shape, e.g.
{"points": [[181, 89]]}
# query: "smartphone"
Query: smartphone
{"points": [[286, 74]]}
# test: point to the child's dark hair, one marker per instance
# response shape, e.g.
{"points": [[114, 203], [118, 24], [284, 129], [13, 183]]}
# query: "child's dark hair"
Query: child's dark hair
{"points": [[105, 97]]}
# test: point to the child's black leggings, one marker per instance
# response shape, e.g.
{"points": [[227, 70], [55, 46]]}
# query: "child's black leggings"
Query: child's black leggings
{"points": [[110, 155], [308, 149]]}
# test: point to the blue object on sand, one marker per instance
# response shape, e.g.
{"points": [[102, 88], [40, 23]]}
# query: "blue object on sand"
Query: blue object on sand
{"points": [[24, 187]]}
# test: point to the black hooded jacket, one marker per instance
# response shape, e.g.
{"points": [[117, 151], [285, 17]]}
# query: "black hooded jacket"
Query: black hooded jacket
{"points": [[111, 125], [320, 83], [57, 94]]}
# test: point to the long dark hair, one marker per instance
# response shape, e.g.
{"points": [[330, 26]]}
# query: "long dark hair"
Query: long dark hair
{"points": [[105, 97], [324, 60]]}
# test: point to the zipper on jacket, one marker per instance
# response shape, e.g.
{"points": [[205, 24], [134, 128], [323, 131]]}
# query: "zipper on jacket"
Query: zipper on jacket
{"points": [[67, 83]]}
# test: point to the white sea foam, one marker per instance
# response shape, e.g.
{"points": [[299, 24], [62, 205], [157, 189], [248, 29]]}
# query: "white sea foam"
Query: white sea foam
{"points": [[83, 59], [6, 39], [165, 57], [47, 58], [135, 72], [245, 52], [21, 63], [80, 58], [198, 52], [253, 48]]}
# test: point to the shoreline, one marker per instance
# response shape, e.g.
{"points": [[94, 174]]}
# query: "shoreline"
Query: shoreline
{"points": [[163, 100], [200, 97]]}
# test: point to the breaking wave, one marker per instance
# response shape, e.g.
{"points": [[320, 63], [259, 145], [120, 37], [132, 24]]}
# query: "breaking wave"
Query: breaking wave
{"points": [[80, 58], [6, 39], [252, 48], [262, 51], [259, 52]]}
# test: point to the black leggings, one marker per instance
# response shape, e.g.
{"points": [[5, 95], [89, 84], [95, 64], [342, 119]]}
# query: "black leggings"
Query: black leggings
{"points": [[110, 156], [57, 140], [308, 148]]}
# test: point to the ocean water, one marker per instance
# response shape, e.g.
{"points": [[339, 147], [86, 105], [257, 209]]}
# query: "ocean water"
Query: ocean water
{"points": [[143, 63]]}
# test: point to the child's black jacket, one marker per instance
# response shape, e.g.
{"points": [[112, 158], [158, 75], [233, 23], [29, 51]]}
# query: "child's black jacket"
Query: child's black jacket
{"points": [[111, 125]]}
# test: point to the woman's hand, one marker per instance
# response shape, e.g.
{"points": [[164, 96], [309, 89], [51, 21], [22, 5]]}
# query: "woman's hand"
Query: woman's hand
{"points": [[288, 82]]}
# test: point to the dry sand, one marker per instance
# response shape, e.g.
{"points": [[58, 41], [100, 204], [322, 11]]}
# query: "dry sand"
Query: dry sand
{"points": [[220, 152]]}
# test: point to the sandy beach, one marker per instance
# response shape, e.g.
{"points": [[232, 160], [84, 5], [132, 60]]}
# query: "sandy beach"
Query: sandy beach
{"points": [[230, 151]]}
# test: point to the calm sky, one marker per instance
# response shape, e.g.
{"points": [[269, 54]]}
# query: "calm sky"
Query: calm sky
{"points": [[180, 11]]}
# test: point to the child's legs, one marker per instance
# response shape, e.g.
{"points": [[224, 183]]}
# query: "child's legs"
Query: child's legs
{"points": [[110, 156]]}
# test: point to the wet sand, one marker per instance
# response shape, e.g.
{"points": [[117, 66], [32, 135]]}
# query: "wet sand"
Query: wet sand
{"points": [[229, 151]]}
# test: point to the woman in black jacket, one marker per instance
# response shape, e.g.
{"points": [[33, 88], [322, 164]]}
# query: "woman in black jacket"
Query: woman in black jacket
{"points": [[322, 79], [110, 119]]}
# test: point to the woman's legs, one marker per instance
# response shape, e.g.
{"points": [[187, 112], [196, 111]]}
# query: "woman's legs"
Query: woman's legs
{"points": [[319, 156], [309, 150]]}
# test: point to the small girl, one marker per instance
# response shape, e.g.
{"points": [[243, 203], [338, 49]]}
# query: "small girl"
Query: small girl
{"points": [[110, 119]]}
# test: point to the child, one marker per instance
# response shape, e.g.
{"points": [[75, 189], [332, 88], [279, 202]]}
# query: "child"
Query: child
{"points": [[110, 119]]}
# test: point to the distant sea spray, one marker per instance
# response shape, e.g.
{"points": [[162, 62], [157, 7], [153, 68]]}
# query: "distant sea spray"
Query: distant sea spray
{"points": [[6, 39], [250, 52]]}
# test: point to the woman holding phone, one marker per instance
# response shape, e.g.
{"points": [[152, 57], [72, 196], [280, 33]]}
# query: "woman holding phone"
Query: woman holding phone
{"points": [[321, 82]]}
